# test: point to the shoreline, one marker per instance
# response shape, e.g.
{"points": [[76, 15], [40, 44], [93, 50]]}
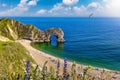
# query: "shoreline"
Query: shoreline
{"points": [[84, 64], [40, 58]]}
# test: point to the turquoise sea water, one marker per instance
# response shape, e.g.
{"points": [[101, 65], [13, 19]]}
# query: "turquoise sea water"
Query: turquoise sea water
{"points": [[91, 41]]}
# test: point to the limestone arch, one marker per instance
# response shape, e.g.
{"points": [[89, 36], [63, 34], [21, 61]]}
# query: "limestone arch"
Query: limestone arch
{"points": [[56, 32]]}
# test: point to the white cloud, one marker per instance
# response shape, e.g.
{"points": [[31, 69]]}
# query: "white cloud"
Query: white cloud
{"points": [[60, 10], [22, 3], [32, 2], [80, 10], [70, 2], [56, 7], [66, 8], [112, 8], [93, 5], [42, 11], [106, 0], [106, 8], [95, 8], [22, 7]]}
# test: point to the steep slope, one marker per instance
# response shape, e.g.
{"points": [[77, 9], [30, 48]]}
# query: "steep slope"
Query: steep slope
{"points": [[13, 57]]}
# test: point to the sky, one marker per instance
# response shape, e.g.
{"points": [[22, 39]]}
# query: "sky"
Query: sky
{"points": [[60, 8]]}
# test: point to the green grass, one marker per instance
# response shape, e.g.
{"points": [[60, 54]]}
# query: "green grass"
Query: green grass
{"points": [[13, 57]]}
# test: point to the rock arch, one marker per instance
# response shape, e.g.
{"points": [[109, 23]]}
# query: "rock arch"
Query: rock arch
{"points": [[55, 31]]}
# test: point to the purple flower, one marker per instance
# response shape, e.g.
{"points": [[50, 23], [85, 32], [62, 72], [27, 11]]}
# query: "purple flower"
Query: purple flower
{"points": [[65, 75], [58, 64], [28, 66], [58, 68], [65, 66]]}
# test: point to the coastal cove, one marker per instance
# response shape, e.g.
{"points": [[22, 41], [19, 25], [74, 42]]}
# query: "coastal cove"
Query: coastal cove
{"points": [[90, 41]]}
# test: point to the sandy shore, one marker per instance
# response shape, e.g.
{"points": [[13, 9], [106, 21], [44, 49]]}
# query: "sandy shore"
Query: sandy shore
{"points": [[40, 57]]}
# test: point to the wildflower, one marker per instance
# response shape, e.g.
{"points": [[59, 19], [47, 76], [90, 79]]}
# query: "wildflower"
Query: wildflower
{"points": [[27, 75], [58, 64], [65, 76], [28, 66], [65, 66]]}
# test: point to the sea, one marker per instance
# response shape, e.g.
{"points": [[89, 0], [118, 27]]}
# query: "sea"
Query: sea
{"points": [[89, 41]]}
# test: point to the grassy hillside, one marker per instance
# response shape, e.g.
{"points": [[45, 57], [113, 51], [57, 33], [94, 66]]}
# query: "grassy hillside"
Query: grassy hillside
{"points": [[13, 57]]}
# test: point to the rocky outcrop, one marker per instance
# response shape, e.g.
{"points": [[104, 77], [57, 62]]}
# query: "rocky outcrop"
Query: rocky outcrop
{"points": [[54, 31], [15, 30]]}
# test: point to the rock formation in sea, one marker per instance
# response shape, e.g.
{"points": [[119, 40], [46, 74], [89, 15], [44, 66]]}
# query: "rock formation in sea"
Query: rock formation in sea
{"points": [[14, 30]]}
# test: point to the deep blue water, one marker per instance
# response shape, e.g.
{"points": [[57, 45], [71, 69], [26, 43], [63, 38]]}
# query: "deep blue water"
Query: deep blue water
{"points": [[91, 41]]}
